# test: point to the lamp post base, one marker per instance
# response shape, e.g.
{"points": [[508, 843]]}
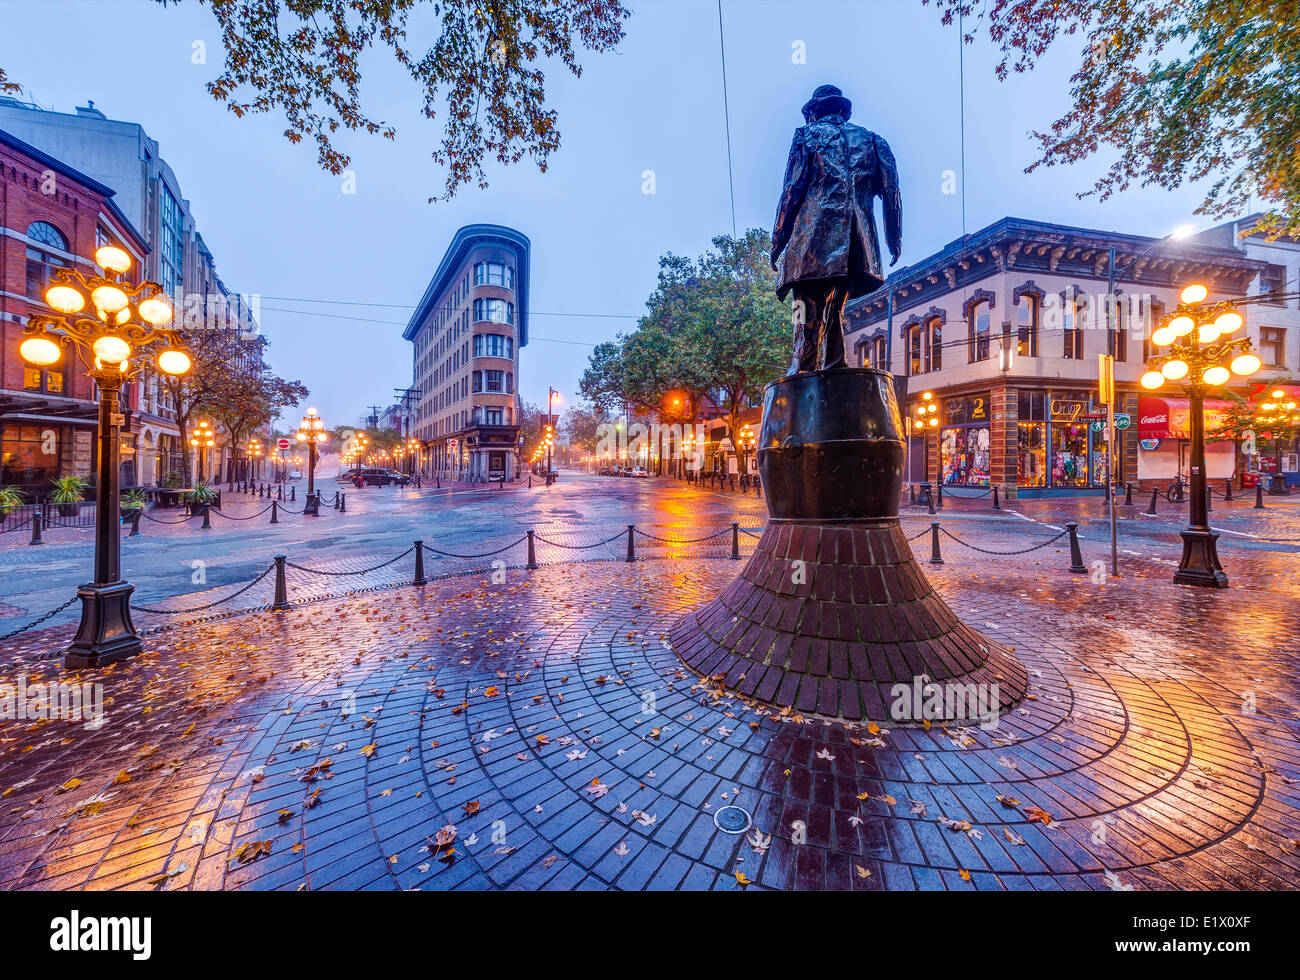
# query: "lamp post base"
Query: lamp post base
{"points": [[1200, 563], [106, 633]]}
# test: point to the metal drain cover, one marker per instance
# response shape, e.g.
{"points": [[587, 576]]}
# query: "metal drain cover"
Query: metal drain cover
{"points": [[732, 820]]}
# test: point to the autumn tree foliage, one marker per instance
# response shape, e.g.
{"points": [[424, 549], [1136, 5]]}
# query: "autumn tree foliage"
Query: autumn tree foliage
{"points": [[476, 63], [1170, 90]]}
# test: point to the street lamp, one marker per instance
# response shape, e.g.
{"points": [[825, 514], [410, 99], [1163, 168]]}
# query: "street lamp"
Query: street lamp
{"points": [[1194, 334], [551, 395], [311, 430], [746, 444], [110, 322], [203, 438], [254, 451]]}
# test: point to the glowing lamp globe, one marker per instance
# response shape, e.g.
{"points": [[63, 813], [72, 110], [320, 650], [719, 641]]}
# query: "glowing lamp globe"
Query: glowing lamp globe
{"points": [[1163, 336], [1194, 293], [174, 361], [1216, 375], [1207, 333], [1174, 370], [1152, 380], [1277, 393], [112, 259], [155, 310], [39, 351], [110, 299], [1245, 364], [111, 349], [1229, 322], [1182, 325], [65, 299]]}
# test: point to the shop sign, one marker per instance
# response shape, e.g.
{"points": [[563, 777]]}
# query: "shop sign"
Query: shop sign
{"points": [[1068, 409]]}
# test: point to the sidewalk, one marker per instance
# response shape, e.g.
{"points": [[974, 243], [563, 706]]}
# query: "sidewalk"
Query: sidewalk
{"points": [[544, 726]]}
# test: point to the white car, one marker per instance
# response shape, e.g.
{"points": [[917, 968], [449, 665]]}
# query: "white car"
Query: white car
{"points": [[640, 471]]}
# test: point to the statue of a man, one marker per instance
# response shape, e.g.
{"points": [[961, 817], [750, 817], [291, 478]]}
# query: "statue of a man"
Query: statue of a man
{"points": [[826, 226]]}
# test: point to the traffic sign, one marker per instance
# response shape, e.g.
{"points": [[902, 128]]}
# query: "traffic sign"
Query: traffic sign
{"points": [[1123, 420], [1098, 425], [282, 443]]}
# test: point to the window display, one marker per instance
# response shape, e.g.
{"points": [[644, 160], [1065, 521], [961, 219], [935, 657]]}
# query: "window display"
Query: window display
{"points": [[1031, 465], [964, 456], [1069, 454]]}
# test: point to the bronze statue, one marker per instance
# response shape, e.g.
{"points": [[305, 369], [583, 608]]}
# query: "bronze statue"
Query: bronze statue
{"points": [[826, 226]]}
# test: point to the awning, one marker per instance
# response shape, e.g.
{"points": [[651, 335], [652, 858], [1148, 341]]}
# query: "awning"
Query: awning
{"points": [[1170, 418], [49, 419]]}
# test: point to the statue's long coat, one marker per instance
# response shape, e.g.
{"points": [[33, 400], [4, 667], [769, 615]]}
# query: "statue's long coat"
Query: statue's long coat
{"points": [[825, 221]]}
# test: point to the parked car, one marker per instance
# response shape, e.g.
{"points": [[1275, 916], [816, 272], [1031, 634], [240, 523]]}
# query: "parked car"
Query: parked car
{"points": [[640, 471], [374, 477]]}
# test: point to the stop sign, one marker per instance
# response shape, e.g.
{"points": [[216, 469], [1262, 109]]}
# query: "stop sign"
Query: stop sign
{"points": [[282, 443]]}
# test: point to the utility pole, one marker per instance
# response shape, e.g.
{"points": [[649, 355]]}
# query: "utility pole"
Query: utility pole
{"points": [[1106, 389]]}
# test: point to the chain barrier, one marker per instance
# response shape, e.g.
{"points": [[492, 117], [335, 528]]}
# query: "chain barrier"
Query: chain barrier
{"points": [[37, 622], [363, 571], [924, 530], [210, 605], [707, 537], [621, 536], [986, 551], [248, 518], [485, 554], [147, 517]]}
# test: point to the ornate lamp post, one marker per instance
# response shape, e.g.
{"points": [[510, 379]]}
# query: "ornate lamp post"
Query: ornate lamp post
{"points": [[116, 329], [746, 445], [312, 431], [254, 451], [203, 438], [1194, 334]]}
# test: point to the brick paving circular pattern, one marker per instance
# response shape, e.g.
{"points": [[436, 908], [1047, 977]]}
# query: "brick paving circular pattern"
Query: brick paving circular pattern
{"points": [[546, 720]]}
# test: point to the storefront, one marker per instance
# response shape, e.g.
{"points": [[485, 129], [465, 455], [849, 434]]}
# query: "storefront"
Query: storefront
{"points": [[1164, 434], [964, 441], [1056, 446]]}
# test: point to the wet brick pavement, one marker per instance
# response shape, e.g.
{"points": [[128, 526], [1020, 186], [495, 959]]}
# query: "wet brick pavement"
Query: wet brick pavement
{"points": [[546, 720]]}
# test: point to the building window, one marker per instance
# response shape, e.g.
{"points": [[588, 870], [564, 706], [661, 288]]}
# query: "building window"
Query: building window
{"points": [[494, 274], [47, 234], [934, 343], [496, 380], [1027, 326], [493, 416], [1071, 319], [493, 345], [494, 311], [977, 324], [171, 243], [478, 381], [40, 266], [1272, 283], [914, 364], [1272, 346], [878, 354]]}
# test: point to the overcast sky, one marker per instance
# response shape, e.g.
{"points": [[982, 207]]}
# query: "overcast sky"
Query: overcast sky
{"points": [[339, 273]]}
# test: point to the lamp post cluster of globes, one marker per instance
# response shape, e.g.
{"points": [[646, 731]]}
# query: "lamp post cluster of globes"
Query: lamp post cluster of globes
{"points": [[116, 329], [1200, 355], [311, 430]]}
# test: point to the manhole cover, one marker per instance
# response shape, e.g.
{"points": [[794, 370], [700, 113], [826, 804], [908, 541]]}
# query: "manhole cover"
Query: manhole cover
{"points": [[732, 820]]}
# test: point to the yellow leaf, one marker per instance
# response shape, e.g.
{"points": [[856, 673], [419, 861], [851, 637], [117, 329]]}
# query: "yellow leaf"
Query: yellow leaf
{"points": [[742, 880]]}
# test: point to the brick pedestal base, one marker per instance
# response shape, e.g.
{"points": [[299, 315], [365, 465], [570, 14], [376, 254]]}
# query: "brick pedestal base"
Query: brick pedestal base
{"points": [[828, 619]]}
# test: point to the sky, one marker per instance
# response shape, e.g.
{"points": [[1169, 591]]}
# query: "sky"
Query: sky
{"points": [[340, 273]]}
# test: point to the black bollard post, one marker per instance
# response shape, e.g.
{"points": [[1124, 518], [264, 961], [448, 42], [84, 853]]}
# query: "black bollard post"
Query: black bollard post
{"points": [[293, 494], [135, 522], [935, 557], [631, 548], [1259, 500], [1076, 556], [336, 499], [929, 499], [735, 539], [1128, 493], [1155, 492], [1209, 498], [281, 590], [343, 502], [532, 554], [911, 493], [36, 526], [1180, 498], [280, 495], [996, 505], [437, 482], [939, 496], [1227, 489], [419, 562], [207, 518]]}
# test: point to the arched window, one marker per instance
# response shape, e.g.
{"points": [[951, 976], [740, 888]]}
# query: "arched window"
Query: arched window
{"points": [[934, 342], [978, 318], [915, 363], [40, 263], [47, 234], [1072, 313], [1027, 311]]}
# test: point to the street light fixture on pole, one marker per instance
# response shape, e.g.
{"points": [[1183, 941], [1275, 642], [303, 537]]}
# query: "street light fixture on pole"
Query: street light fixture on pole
{"points": [[127, 322], [203, 439], [312, 431], [1193, 333], [551, 395]]}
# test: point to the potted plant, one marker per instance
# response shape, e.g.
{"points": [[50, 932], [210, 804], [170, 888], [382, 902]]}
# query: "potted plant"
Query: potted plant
{"points": [[132, 501], [10, 497], [69, 491], [203, 495]]}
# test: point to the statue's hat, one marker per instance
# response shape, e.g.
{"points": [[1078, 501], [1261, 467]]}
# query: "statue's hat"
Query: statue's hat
{"points": [[827, 100]]}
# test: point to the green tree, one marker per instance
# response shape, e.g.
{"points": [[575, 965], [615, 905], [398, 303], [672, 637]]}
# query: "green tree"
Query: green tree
{"points": [[581, 424], [1174, 90]]}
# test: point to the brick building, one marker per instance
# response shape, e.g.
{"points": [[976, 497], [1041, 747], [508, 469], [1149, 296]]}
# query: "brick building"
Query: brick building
{"points": [[1003, 328], [51, 216], [467, 332]]}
